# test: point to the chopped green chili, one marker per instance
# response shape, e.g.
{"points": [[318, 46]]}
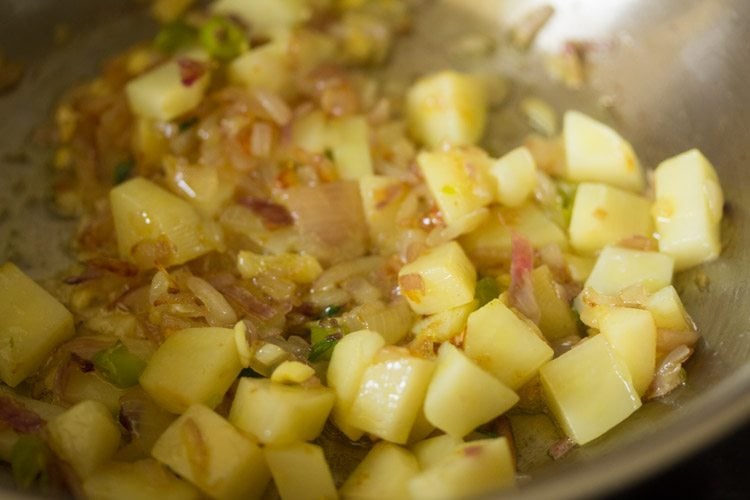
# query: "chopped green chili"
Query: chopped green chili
{"points": [[322, 348], [175, 35], [486, 290], [28, 460], [222, 38], [119, 365], [122, 171]]}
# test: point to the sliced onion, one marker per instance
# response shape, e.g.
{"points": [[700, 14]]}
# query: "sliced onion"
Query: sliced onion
{"points": [[330, 219], [669, 375], [218, 310], [274, 106], [261, 139], [521, 290], [343, 270]]}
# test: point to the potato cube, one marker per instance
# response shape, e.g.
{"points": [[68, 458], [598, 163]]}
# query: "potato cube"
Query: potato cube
{"points": [[384, 473], [589, 389], [688, 209], [195, 365], [491, 240], [381, 199], [447, 106], [267, 18], [460, 183], [85, 436], [668, 311], [208, 451], [300, 471], [618, 268], [462, 396], [292, 372], [475, 468], [632, 334], [515, 175], [162, 93], [579, 266], [280, 414], [296, 267], [349, 140], [596, 153], [32, 324], [310, 132], [349, 360], [504, 344], [444, 325], [145, 213], [433, 450], [556, 316], [263, 68], [439, 279], [391, 394], [603, 215], [144, 480]]}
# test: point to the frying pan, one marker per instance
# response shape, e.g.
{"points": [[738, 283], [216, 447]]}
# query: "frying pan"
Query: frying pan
{"points": [[669, 75]]}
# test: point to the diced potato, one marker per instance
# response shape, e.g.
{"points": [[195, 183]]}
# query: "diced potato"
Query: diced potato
{"points": [[381, 199], [297, 267], [632, 334], [145, 213], [596, 153], [267, 18], [668, 311], [459, 181], [263, 68], [85, 436], [439, 279], [515, 175], [384, 473], [349, 140], [32, 324], [280, 414], [443, 325], [208, 451], [299, 471], [195, 365], [391, 394], [310, 132], [688, 209], [349, 360], [618, 268], [144, 480], [462, 396], [473, 469], [504, 344], [162, 95], [432, 451], [491, 240], [201, 185], [603, 215], [447, 106], [82, 386], [556, 316], [589, 389]]}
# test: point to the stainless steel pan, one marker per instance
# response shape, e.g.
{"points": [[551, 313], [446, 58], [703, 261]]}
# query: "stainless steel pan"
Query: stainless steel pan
{"points": [[674, 74]]}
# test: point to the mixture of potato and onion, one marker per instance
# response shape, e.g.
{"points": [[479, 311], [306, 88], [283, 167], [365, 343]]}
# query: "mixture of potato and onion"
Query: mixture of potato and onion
{"points": [[294, 281]]}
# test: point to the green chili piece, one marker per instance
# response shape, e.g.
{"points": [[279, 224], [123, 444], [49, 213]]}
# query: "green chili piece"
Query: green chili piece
{"points": [[222, 38], [486, 290], [322, 349], [119, 365], [28, 460], [122, 171], [175, 35]]}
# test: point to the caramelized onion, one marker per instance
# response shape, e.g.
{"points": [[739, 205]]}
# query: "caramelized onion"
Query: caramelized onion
{"points": [[521, 290], [330, 220]]}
